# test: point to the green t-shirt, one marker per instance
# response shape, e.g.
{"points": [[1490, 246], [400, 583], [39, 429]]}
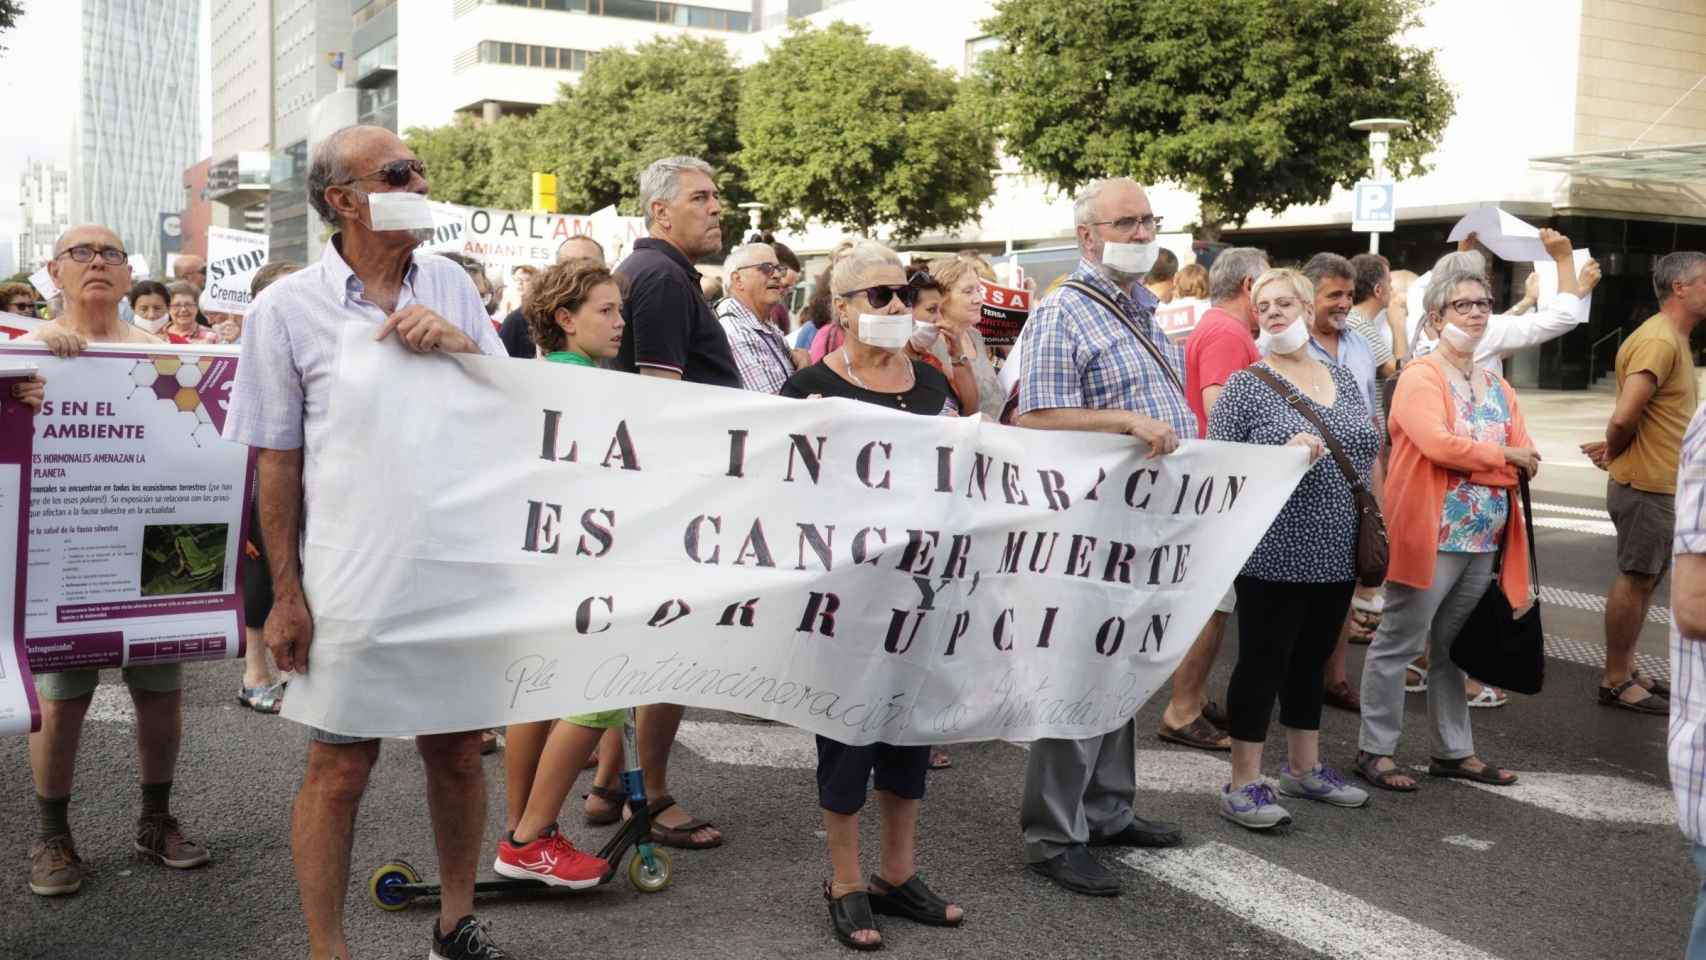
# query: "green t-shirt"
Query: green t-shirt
{"points": [[570, 356]]}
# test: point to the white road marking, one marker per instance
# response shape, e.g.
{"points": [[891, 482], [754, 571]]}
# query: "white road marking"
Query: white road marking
{"points": [[1572, 511], [1582, 600], [750, 744], [1590, 654], [1601, 528], [1587, 796], [1314, 915], [1468, 842]]}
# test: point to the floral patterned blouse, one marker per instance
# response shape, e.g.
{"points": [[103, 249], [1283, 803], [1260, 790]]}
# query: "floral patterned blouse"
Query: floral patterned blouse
{"points": [[1473, 520]]}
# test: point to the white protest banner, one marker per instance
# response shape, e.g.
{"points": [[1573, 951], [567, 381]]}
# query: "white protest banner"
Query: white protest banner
{"points": [[13, 326], [1508, 237], [492, 542], [510, 238], [138, 509], [19, 712], [233, 256], [43, 282], [448, 223]]}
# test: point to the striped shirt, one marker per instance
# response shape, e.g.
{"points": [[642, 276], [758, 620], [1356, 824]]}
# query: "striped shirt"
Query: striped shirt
{"points": [[761, 355], [1688, 653], [1078, 355]]}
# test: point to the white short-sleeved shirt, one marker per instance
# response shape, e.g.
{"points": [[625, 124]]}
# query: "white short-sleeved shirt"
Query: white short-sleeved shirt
{"points": [[290, 343], [1687, 742]]}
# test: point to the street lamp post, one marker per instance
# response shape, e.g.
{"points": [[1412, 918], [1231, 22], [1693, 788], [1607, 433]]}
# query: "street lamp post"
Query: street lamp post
{"points": [[1379, 130]]}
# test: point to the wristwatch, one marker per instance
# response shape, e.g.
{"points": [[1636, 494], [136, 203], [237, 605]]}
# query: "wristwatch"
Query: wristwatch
{"points": [[960, 361]]}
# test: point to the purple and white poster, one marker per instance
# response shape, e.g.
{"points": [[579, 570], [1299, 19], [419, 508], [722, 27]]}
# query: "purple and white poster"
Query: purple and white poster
{"points": [[19, 712], [138, 509]]}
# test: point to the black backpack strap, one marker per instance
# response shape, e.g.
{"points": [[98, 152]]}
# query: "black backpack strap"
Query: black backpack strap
{"points": [[1142, 336]]}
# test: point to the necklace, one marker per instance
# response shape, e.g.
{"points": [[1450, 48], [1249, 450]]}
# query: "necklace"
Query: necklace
{"points": [[900, 398], [1299, 368]]}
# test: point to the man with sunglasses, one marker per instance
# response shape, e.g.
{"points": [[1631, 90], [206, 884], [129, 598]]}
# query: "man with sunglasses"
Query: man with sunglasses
{"points": [[92, 270], [672, 333], [359, 179], [754, 279], [1095, 359]]}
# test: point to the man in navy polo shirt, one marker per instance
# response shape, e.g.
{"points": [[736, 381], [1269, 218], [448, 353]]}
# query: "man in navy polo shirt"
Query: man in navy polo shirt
{"points": [[672, 333]]}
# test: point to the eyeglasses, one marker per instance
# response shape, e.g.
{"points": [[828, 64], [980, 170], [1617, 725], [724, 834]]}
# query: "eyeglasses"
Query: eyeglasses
{"points": [[1128, 224], [1467, 306], [87, 252], [879, 296], [397, 173], [768, 269]]}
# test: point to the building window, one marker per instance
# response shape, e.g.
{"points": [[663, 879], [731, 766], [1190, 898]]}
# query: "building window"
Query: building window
{"points": [[650, 11], [530, 55]]}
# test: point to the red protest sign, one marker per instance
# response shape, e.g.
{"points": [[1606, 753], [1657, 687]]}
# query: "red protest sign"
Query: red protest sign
{"points": [[1003, 314]]}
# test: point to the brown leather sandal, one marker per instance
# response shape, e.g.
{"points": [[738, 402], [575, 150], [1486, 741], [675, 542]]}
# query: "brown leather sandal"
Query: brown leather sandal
{"points": [[681, 836], [616, 798]]}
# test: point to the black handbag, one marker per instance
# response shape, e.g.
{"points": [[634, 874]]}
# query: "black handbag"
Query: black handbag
{"points": [[1495, 646]]}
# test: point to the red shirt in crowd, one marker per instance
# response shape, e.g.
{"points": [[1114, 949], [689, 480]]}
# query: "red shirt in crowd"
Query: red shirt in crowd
{"points": [[1220, 346]]}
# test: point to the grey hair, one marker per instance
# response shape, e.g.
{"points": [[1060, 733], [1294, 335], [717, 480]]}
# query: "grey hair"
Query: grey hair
{"points": [[1324, 265], [1444, 283], [865, 256], [1464, 261], [1231, 268], [327, 167], [1299, 283], [1084, 205], [1673, 268], [746, 255], [662, 180]]}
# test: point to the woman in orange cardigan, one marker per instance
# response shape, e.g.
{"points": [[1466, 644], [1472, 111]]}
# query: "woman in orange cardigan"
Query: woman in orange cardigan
{"points": [[1458, 440]]}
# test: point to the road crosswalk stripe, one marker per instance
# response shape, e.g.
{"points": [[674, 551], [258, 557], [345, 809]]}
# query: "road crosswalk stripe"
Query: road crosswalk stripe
{"points": [[1587, 796], [1582, 600], [1601, 528], [1329, 921], [1572, 511]]}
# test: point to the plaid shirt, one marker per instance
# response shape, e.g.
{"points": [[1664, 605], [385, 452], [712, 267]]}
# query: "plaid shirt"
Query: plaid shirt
{"points": [[761, 355], [1077, 354], [1688, 653]]}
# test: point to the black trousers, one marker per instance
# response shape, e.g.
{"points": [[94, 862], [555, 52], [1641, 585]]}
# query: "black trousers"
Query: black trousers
{"points": [[1286, 632]]}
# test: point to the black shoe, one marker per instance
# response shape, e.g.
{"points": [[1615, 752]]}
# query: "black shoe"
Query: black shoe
{"points": [[1078, 871], [469, 941], [1144, 833]]}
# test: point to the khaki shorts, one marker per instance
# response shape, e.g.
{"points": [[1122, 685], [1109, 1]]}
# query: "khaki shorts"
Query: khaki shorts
{"points": [[73, 684], [1645, 523]]}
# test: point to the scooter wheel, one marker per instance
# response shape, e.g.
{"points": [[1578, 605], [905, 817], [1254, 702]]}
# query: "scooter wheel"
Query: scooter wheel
{"points": [[649, 881], [385, 886]]}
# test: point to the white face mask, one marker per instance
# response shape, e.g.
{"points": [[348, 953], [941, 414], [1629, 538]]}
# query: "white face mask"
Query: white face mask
{"points": [[924, 336], [154, 326], [398, 210], [1287, 341], [890, 331], [1461, 340], [1133, 258]]}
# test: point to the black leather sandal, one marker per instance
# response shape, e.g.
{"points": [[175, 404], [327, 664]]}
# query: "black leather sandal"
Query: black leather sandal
{"points": [[849, 914], [912, 900]]}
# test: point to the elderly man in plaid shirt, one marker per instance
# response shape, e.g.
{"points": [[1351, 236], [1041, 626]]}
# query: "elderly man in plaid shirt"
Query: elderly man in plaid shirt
{"points": [[753, 278], [1688, 660], [1095, 359]]}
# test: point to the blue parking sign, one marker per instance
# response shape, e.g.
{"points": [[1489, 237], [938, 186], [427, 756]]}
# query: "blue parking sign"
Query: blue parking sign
{"points": [[1376, 208]]}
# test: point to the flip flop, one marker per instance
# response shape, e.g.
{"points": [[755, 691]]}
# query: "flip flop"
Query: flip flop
{"points": [[263, 699], [1489, 697], [1420, 686], [939, 760], [1455, 770]]}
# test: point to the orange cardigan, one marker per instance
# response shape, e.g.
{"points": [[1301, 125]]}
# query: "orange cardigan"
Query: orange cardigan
{"points": [[1425, 453]]}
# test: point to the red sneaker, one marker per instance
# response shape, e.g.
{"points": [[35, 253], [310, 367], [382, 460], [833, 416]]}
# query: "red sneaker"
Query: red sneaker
{"points": [[551, 859]]}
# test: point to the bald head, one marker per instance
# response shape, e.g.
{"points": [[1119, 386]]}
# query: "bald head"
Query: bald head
{"points": [[94, 284], [92, 233], [190, 268], [580, 247], [346, 155]]}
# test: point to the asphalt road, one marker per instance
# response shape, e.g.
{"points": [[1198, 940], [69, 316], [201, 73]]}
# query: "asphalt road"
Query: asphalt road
{"points": [[1580, 861]]}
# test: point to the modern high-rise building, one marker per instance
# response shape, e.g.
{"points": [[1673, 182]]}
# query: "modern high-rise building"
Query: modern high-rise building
{"points": [[139, 122], [44, 203], [492, 57], [374, 41], [310, 45], [240, 34]]}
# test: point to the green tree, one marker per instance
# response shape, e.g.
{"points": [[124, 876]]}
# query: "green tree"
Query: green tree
{"points": [[662, 98], [1246, 102], [839, 129], [10, 11], [476, 163]]}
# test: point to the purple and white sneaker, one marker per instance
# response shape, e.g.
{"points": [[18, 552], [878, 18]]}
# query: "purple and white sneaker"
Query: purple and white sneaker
{"points": [[1253, 806], [1323, 784]]}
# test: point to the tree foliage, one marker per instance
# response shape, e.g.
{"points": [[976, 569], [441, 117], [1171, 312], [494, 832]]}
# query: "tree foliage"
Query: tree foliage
{"points": [[478, 164], [1246, 102], [662, 98], [10, 11], [836, 128]]}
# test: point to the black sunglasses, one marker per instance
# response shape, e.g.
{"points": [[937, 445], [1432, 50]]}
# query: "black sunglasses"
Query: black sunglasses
{"points": [[879, 296], [397, 173]]}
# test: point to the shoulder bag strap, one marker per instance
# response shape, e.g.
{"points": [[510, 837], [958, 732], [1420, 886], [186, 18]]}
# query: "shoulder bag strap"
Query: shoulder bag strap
{"points": [[1528, 525], [1292, 396], [1142, 337]]}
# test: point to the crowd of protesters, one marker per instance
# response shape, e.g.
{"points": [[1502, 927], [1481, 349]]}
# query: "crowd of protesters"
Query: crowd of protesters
{"points": [[1391, 382]]}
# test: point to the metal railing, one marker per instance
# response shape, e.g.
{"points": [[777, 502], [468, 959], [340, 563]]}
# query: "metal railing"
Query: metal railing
{"points": [[1593, 353]]}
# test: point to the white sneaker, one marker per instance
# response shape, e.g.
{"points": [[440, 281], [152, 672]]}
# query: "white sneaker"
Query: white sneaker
{"points": [[1253, 806]]}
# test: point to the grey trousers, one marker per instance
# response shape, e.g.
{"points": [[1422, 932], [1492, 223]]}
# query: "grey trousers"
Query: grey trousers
{"points": [[1077, 791], [1418, 620]]}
